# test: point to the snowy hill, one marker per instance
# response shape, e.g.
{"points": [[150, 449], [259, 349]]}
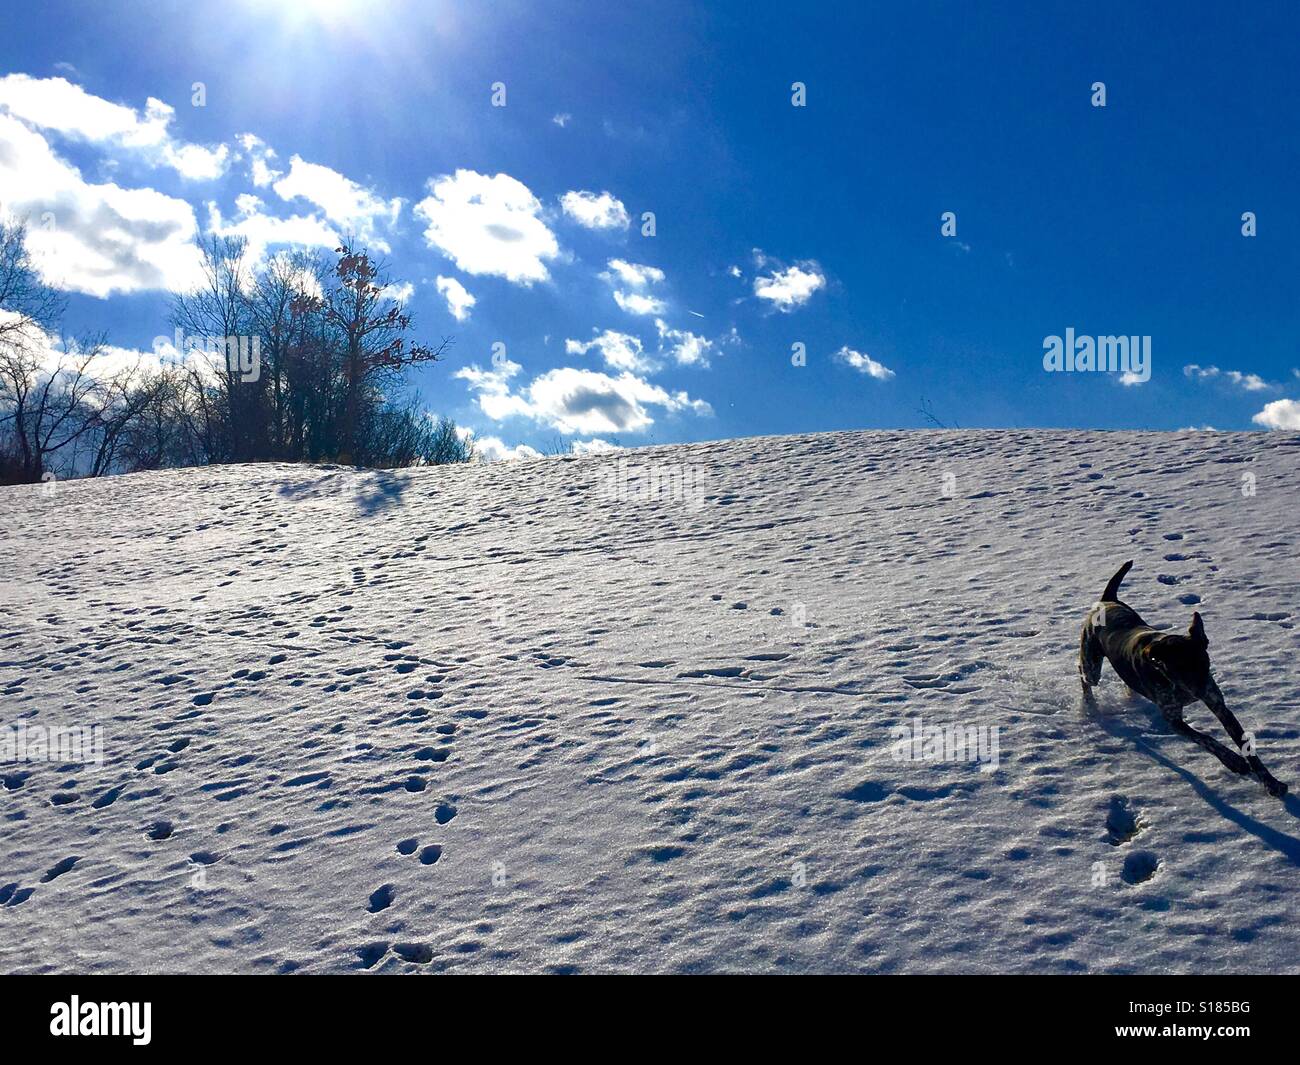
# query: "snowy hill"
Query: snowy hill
{"points": [[514, 717]]}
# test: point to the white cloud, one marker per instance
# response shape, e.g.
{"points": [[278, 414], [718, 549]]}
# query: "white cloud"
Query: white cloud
{"points": [[864, 363], [1280, 414], [634, 275], [603, 211], [493, 387], [263, 231], [94, 238], [1128, 378], [195, 162], [399, 293], [494, 449], [619, 350], [790, 287], [345, 203], [594, 447], [687, 348], [59, 105], [459, 301], [581, 402], [488, 225], [52, 356], [586, 402], [562, 119], [636, 303], [1247, 382], [259, 155]]}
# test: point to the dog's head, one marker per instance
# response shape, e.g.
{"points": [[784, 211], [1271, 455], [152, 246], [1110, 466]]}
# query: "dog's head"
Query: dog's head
{"points": [[1186, 658]]}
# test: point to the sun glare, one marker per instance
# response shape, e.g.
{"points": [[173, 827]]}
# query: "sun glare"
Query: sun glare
{"points": [[331, 13]]}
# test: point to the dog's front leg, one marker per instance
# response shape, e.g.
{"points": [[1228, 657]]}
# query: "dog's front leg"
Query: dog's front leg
{"points": [[1174, 715], [1213, 698], [1091, 657]]}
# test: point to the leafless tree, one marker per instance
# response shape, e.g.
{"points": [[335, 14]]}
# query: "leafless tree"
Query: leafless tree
{"points": [[217, 310], [371, 325], [50, 402], [25, 299]]}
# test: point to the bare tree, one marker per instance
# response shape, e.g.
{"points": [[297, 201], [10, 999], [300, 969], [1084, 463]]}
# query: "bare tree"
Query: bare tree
{"points": [[372, 327], [280, 307], [50, 401], [123, 400], [25, 299], [332, 343], [210, 316]]}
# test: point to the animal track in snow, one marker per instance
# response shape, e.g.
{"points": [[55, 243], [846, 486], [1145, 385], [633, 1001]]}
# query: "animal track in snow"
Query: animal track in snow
{"points": [[371, 954], [418, 953], [1139, 867], [56, 871], [13, 895], [1122, 824]]}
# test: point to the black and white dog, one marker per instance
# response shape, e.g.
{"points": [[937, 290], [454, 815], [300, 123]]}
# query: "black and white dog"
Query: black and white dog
{"points": [[1168, 669]]}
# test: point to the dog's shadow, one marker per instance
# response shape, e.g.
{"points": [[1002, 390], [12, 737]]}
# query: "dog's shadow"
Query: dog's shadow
{"points": [[1289, 846]]}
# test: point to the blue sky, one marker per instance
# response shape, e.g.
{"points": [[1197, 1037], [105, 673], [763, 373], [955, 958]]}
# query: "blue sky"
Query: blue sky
{"points": [[775, 224]]}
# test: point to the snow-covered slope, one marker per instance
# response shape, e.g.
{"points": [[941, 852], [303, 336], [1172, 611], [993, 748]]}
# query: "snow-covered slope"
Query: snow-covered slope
{"points": [[490, 718]]}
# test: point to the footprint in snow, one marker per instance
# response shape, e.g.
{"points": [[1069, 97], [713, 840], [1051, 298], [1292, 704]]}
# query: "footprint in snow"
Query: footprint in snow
{"points": [[371, 953], [1122, 824], [381, 898], [1139, 867], [419, 953], [13, 895], [56, 871]]}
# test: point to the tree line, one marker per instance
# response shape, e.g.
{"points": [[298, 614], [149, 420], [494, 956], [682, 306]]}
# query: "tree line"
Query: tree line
{"points": [[301, 358]]}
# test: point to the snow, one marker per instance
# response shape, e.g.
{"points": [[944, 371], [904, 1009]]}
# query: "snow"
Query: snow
{"points": [[492, 718]]}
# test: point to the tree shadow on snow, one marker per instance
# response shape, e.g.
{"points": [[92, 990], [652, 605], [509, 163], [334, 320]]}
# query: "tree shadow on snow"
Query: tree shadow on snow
{"points": [[371, 490], [1289, 846]]}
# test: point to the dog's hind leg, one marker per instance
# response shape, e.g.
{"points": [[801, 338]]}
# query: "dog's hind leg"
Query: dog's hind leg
{"points": [[1230, 758], [1213, 698]]}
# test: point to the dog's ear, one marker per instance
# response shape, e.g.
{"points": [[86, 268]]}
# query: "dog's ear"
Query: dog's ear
{"points": [[1196, 631]]}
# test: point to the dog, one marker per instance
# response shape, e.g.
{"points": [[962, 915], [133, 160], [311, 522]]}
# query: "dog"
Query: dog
{"points": [[1168, 669]]}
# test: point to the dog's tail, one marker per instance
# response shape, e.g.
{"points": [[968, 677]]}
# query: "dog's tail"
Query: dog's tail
{"points": [[1111, 594]]}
